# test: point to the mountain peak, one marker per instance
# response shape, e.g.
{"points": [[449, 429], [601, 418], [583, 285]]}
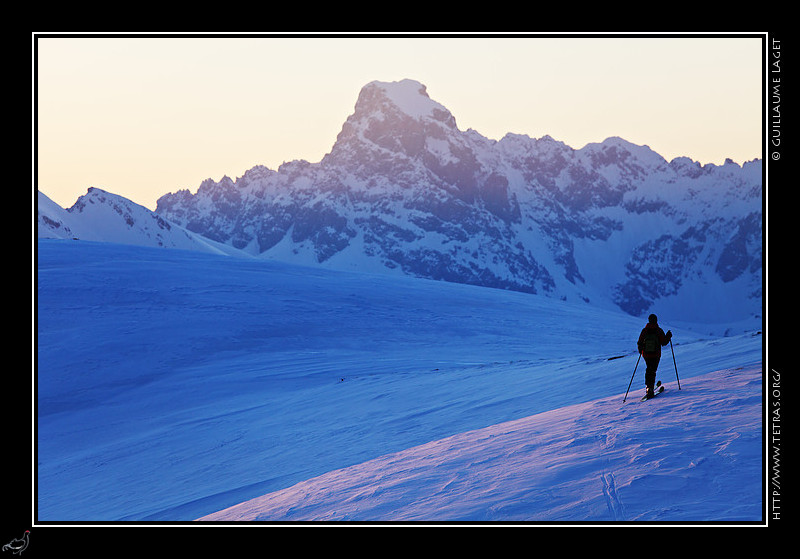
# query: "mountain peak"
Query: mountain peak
{"points": [[408, 97], [614, 149], [396, 117]]}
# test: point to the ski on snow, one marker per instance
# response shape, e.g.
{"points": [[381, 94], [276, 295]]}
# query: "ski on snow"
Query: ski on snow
{"points": [[658, 390]]}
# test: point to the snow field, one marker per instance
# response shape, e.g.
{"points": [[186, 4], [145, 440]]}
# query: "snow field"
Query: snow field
{"points": [[172, 385], [682, 457]]}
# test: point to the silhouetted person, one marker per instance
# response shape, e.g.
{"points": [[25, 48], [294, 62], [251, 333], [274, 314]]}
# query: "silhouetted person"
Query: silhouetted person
{"points": [[650, 341]]}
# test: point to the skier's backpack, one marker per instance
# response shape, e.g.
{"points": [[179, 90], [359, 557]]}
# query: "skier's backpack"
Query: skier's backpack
{"points": [[651, 341]]}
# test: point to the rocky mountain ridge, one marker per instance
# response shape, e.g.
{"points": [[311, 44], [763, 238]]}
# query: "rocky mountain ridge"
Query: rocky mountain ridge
{"points": [[404, 191]]}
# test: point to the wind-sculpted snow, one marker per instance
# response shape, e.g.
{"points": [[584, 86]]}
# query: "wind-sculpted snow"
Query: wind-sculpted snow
{"points": [[691, 456], [174, 384]]}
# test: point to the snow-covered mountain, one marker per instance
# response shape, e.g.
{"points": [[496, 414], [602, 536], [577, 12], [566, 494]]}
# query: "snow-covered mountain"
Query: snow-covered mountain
{"points": [[174, 385], [105, 217], [403, 190]]}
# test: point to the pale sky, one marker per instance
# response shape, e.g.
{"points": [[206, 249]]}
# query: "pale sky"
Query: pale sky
{"points": [[141, 117]]}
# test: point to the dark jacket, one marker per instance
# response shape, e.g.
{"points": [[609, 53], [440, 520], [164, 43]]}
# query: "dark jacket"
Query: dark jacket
{"points": [[663, 339]]}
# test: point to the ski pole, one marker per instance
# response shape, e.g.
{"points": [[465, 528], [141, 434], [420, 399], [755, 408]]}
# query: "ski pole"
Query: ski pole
{"points": [[633, 375], [673, 362]]}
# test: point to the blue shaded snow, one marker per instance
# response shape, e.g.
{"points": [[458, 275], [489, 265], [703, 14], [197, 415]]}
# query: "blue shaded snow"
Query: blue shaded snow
{"points": [[174, 384]]}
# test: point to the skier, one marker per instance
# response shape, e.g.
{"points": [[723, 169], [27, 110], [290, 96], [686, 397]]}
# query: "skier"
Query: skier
{"points": [[650, 341]]}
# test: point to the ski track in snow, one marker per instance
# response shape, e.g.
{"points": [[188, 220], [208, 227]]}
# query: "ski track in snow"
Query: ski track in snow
{"points": [[615, 508]]}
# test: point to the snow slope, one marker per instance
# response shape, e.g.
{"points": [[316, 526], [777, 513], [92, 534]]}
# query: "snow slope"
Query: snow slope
{"points": [[171, 385], [596, 461]]}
